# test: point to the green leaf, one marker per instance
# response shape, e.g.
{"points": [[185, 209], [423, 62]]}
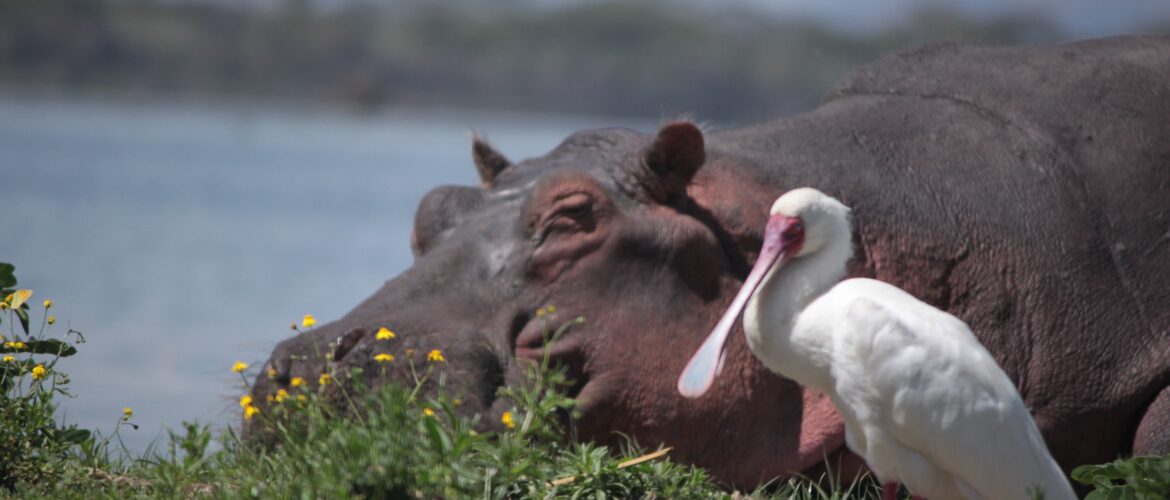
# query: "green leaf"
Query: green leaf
{"points": [[1085, 473], [438, 437], [51, 346], [73, 436], [22, 315], [7, 276]]}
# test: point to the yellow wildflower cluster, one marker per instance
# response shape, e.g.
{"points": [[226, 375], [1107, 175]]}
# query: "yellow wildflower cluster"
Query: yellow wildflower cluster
{"points": [[48, 303], [384, 334], [507, 420], [250, 410], [296, 382], [51, 319], [384, 358], [127, 413], [9, 359], [436, 356], [281, 395], [239, 366], [325, 379], [38, 372], [18, 345], [308, 321], [427, 412], [546, 310]]}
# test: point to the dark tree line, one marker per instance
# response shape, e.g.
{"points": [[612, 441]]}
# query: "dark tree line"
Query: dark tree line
{"points": [[644, 59]]}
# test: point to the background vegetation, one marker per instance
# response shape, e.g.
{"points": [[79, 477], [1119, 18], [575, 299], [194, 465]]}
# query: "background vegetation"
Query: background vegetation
{"points": [[645, 59]]}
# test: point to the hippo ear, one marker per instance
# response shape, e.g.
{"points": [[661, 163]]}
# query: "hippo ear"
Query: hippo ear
{"points": [[673, 159], [488, 161]]}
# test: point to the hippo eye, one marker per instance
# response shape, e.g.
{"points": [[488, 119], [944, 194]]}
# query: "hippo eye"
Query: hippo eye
{"points": [[569, 214], [574, 206], [576, 210]]}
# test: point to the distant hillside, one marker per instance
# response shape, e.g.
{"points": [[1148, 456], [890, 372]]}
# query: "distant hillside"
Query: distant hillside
{"points": [[641, 59]]}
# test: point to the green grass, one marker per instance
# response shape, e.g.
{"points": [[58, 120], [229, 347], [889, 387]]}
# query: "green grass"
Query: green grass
{"points": [[393, 442]]}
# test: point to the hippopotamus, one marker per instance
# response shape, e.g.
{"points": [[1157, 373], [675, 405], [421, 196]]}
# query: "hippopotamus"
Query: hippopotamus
{"points": [[1026, 190]]}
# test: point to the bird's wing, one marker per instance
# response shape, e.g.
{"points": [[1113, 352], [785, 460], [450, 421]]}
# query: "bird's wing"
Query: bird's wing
{"points": [[922, 377]]}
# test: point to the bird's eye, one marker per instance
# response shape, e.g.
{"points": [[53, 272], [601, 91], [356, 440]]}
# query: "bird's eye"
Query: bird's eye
{"points": [[799, 226]]}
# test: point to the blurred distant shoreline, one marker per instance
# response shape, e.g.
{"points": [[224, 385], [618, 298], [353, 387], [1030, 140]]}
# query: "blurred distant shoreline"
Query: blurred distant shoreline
{"points": [[648, 60]]}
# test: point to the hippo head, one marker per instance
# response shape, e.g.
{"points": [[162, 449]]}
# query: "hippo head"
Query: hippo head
{"points": [[620, 228]]}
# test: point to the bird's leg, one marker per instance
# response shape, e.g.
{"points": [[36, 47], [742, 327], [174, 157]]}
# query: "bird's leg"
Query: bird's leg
{"points": [[890, 491]]}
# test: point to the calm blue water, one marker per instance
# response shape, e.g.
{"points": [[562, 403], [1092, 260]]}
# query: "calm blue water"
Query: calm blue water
{"points": [[180, 238]]}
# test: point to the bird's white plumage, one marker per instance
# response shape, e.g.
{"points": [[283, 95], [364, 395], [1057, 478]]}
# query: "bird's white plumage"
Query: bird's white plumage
{"points": [[927, 403], [924, 403]]}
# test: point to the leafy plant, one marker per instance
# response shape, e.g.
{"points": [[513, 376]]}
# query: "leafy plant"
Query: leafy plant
{"points": [[1133, 478], [340, 439], [33, 445]]}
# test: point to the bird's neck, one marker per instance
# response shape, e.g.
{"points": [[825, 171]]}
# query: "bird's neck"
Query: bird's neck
{"points": [[772, 314]]}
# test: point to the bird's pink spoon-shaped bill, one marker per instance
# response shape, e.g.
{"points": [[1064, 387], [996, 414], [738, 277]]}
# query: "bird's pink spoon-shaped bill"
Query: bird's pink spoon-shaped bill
{"points": [[707, 362]]}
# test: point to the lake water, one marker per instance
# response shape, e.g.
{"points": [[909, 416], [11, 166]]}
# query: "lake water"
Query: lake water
{"points": [[182, 237]]}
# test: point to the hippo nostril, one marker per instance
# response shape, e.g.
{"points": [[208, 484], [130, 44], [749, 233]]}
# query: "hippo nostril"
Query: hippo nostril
{"points": [[346, 342], [518, 323], [281, 368]]}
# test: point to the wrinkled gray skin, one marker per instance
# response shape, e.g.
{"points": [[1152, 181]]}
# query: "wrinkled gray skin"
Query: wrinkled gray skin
{"points": [[1026, 190]]}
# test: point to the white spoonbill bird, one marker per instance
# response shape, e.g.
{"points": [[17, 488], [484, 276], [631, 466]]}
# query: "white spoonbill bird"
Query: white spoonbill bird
{"points": [[923, 401]]}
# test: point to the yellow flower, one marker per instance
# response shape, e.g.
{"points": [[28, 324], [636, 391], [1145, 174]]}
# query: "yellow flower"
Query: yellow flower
{"points": [[308, 321], [18, 345], [271, 372], [48, 303], [127, 413], [436, 356], [250, 412], [427, 412], [239, 366], [507, 420], [38, 372], [384, 358], [302, 397], [325, 379], [384, 334], [245, 401], [270, 399], [456, 401], [551, 309], [51, 319], [9, 359], [281, 395], [297, 382], [4, 305]]}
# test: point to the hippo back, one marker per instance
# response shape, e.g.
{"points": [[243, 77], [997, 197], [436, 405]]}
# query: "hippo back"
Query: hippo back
{"points": [[1027, 191]]}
